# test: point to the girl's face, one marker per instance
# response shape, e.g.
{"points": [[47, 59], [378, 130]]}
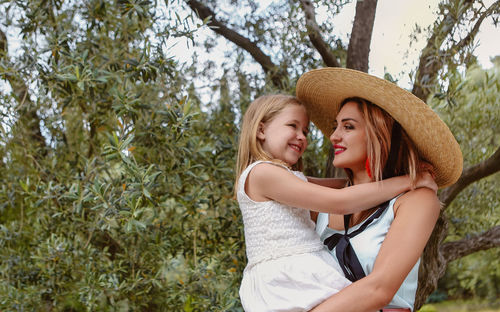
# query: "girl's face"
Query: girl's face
{"points": [[285, 136], [349, 139]]}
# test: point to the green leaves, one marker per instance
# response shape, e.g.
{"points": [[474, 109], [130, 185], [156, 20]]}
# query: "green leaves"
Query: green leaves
{"points": [[473, 119], [136, 178]]}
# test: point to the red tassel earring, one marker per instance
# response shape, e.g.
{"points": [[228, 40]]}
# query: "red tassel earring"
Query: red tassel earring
{"points": [[367, 167]]}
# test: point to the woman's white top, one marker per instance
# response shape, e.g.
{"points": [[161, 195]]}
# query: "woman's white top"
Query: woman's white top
{"points": [[367, 245], [288, 268]]}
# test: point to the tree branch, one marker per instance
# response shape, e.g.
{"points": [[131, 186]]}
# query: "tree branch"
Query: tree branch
{"points": [[428, 67], [314, 33], [361, 35], [472, 34], [464, 247], [432, 58], [277, 75], [3, 44], [470, 175]]}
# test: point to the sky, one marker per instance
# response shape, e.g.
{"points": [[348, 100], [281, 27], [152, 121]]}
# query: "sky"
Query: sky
{"points": [[390, 49], [390, 46], [395, 21]]}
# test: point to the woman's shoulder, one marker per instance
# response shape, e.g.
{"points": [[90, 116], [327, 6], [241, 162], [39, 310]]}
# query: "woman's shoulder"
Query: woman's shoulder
{"points": [[422, 198]]}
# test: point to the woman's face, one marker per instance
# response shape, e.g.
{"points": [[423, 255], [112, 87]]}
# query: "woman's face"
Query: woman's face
{"points": [[349, 139]]}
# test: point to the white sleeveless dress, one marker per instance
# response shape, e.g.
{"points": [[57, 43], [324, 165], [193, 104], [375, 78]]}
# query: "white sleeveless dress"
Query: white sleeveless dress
{"points": [[367, 245], [288, 268]]}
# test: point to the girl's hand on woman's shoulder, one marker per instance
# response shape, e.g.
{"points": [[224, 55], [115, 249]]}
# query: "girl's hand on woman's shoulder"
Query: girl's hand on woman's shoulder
{"points": [[426, 179]]}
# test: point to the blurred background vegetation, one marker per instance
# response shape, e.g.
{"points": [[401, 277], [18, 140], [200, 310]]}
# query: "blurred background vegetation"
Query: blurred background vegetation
{"points": [[117, 171]]}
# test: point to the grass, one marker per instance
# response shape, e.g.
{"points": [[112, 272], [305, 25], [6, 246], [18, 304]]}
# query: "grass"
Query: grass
{"points": [[462, 306]]}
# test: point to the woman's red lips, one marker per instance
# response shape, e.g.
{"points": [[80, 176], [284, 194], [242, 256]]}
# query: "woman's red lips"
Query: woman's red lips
{"points": [[338, 149]]}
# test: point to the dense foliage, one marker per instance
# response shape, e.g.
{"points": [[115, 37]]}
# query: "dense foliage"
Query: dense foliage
{"points": [[125, 200], [472, 107]]}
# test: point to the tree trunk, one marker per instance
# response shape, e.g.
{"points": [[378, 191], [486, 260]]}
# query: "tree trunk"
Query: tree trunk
{"points": [[357, 58], [314, 33], [361, 35], [432, 264]]}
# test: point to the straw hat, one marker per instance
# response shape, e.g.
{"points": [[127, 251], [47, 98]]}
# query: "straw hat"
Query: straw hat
{"points": [[323, 90]]}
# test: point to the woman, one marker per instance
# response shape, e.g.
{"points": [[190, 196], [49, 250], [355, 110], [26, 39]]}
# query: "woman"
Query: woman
{"points": [[379, 130]]}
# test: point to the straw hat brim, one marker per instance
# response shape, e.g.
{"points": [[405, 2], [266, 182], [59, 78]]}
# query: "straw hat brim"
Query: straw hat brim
{"points": [[323, 90]]}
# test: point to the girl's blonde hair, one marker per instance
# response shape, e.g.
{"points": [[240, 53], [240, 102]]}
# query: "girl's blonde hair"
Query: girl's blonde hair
{"points": [[261, 110], [390, 151]]}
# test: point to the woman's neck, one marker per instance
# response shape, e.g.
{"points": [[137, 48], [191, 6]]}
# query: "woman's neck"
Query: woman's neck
{"points": [[360, 177]]}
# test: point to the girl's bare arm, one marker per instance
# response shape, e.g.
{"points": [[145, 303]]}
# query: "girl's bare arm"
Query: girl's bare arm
{"points": [[271, 182]]}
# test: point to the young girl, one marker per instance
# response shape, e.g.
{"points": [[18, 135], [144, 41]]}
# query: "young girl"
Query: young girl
{"points": [[288, 269]]}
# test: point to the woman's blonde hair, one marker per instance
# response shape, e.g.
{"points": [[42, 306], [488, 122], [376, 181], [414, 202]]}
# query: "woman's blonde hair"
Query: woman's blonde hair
{"points": [[261, 110], [390, 151]]}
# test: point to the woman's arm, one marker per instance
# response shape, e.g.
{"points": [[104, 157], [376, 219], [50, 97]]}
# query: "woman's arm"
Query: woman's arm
{"points": [[270, 182], [337, 183], [415, 216]]}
